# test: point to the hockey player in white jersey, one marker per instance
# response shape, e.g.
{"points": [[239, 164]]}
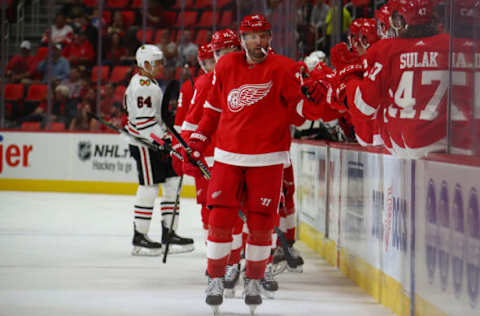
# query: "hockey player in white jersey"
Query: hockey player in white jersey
{"points": [[143, 99]]}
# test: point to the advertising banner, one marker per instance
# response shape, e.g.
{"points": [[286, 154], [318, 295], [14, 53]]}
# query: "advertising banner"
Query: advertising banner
{"points": [[311, 185], [447, 238]]}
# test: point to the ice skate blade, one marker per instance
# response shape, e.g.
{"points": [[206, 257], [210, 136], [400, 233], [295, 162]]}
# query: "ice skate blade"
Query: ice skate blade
{"points": [[279, 268], [252, 309], [298, 269], [177, 249], [146, 252], [215, 310], [229, 293], [270, 295]]}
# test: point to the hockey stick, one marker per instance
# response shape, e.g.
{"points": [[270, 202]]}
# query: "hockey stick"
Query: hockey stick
{"points": [[188, 150], [170, 230], [292, 263], [162, 147]]}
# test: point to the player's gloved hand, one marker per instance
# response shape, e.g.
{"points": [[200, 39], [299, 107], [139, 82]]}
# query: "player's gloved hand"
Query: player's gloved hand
{"points": [[198, 143], [160, 142], [177, 159], [341, 56], [315, 90]]}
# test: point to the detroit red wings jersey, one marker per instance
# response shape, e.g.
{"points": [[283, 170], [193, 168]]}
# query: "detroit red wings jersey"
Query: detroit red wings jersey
{"points": [[257, 104], [203, 85], [410, 77], [184, 98], [143, 101]]}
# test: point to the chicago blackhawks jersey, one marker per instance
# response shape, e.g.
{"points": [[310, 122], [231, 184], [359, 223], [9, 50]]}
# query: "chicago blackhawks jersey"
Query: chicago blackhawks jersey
{"points": [[254, 105], [143, 101], [411, 76]]}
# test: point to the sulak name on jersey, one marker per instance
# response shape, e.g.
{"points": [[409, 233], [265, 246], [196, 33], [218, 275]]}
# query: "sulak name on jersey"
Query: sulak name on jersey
{"points": [[419, 60]]}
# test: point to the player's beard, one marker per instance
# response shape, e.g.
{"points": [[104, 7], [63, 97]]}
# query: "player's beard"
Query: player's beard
{"points": [[258, 53]]}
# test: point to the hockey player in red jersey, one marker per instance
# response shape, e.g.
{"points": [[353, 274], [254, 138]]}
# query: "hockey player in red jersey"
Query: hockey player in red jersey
{"points": [[254, 99], [410, 76]]}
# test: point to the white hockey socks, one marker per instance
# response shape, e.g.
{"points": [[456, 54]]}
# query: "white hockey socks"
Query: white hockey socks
{"points": [[167, 204], [143, 207]]}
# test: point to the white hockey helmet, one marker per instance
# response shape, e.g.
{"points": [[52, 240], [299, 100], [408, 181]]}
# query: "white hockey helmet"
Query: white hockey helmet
{"points": [[314, 58], [148, 52]]}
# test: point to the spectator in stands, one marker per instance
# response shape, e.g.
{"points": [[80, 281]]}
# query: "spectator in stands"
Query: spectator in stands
{"points": [[347, 20], [63, 109], [159, 15], [83, 24], [318, 18], [61, 32], [117, 52], [168, 47], [118, 24], [80, 51], [82, 121], [72, 10], [73, 83], [60, 65], [187, 49], [18, 68], [108, 102]]}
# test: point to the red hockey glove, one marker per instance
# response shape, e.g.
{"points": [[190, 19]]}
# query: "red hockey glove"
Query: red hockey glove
{"points": [[198, 143], [177, 161], [341, 56], [315, 90]]}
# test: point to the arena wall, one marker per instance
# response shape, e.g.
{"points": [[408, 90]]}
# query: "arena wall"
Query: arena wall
{"points": [[406, 231]]}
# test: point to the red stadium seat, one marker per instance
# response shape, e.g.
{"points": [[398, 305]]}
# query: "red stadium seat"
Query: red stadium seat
{"points": [[190, 18], [42, 53], [31, 126], [117, 4], [207, 18], [128, 17], [57, 126], [203, 36], [119, 73], [37, 93], [90, 3], [107, 17], [201, 4], [136, 4], [148, 36], [104, 73], [14, 92], [119, 93], [227, 19], [189, 4], [224, 3]]}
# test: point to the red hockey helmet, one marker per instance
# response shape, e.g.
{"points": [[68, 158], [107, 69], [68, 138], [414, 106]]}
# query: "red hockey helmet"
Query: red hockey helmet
{"points": [[254, 23], [368, 33], [354, 32], [205, 51], [225, 39], [383, 21], [467, 12], [414, 12]]}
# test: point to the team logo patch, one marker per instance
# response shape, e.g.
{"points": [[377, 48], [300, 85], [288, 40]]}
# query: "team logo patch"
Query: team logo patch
{"points": [[145, 82], [247, 95]]}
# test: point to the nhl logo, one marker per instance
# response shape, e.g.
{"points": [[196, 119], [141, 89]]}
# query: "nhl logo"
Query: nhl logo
{"points": [[84, 150]]}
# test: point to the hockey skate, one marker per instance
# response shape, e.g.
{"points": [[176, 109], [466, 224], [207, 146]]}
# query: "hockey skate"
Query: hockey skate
{"points": [[252, 294], [214, 293], [280, 263], [232, 274], [178, 244], [144, 246], [269, 284]]}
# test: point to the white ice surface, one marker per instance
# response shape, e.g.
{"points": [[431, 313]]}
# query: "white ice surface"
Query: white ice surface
{"points": [[69, 254]]}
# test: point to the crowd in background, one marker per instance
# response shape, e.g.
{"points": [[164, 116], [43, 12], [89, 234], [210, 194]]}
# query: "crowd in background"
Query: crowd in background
{"points": [[74, 55]]}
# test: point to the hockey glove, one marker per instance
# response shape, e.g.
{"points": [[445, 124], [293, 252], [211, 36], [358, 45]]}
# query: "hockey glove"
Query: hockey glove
{"points": [[341, 56], [198, 144], [315, 90]]}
